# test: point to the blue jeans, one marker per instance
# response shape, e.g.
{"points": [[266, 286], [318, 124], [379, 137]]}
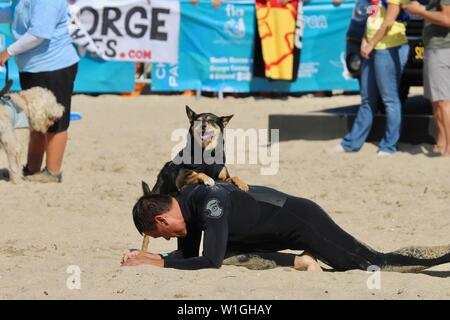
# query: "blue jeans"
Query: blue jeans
{"points": [[380, 76]]}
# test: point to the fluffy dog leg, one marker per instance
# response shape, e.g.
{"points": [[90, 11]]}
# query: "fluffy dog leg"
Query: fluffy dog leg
{"points": [[145, 243], [12, 149]]}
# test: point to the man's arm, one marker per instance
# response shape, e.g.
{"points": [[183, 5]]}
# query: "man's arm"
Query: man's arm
{"points": [[187, 247], [213, 209], [214, 247], [215, 238], [440, 18]]}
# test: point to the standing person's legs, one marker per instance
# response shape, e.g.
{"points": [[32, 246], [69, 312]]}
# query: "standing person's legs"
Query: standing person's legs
{"points": [[56, 145], [53, 143], [436, 78], [444, 119], [62, 86], [441, 140], [389, 65], [354, 140], [36, 150]]}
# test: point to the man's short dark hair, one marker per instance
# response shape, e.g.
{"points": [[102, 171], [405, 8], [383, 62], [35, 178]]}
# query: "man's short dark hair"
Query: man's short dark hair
{"points": [[147, 208]]}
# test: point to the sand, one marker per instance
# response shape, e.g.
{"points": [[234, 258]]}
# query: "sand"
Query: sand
{"points": [[388, 203]]}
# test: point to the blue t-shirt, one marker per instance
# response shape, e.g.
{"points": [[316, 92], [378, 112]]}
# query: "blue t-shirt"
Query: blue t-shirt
{"points": [[46, 19]]}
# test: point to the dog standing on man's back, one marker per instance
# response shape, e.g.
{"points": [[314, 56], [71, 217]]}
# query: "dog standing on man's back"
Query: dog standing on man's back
{"points": [[42, 111], [202, 160]]}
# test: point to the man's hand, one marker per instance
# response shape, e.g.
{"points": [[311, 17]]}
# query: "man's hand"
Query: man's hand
{"points": [[414, 8], [137, 258], [4, 56]]}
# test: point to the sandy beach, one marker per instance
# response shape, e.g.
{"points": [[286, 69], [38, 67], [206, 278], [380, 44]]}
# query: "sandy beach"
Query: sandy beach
{"points": [[388, 203]]}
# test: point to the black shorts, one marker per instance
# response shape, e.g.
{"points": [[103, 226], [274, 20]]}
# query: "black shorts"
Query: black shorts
{"points": [[61, 83]]}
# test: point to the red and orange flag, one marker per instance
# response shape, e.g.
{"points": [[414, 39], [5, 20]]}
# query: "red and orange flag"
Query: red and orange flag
{"points": [[277, 25]]}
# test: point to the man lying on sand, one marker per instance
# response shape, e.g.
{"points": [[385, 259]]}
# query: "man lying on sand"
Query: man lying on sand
{"points": [[257, 224]]}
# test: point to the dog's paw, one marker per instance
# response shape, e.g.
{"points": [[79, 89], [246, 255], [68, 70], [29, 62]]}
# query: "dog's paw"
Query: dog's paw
{"points": [[240, 184], [209, 182]]}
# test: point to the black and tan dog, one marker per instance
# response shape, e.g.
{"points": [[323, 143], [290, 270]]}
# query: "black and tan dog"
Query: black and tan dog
{"points": [[203, 158], [201, 161]]}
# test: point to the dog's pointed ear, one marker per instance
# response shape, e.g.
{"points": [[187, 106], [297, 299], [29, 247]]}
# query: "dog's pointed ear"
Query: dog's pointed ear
{"points": [[226, 119], [146, 189], [191, 114]]}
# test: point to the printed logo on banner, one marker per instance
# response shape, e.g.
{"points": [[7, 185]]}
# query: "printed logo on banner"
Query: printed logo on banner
{"points": [[215, 59], [235, 26], [127, 30], [168, 73], [316, 22], [342, 65]]}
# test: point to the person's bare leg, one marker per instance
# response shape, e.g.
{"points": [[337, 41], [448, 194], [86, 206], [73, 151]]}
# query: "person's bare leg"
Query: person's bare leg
{"points": [[305, 262], [56, 145], [441, 140], [444, 107], [36, 150]]}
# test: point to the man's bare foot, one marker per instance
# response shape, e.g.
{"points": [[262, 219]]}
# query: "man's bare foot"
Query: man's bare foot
{"points": [[306, 262]]}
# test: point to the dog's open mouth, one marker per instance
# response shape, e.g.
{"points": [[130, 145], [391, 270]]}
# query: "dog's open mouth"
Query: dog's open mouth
{"points": [[207, 135]]}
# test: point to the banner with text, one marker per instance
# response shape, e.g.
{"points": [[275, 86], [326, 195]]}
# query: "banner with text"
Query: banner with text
{"points": [[218, 50], [127, 30]]}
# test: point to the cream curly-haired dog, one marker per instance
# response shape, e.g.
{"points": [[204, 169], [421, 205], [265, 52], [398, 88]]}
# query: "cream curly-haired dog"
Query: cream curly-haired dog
{"points": [[42, 111]]}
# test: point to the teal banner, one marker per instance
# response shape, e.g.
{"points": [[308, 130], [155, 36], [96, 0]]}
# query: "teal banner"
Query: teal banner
{"points": [[216, 50]]}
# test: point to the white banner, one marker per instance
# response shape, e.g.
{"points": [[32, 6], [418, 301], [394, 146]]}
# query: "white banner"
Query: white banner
{"points": [[127, 30]]}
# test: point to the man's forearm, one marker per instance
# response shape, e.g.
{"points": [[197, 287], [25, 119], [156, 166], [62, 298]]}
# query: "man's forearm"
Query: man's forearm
{"points": [[153, 256], [439, 18], [156, 262]]}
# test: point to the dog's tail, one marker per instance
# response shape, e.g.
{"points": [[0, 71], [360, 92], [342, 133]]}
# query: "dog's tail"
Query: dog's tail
{"points": [[6, 88]]}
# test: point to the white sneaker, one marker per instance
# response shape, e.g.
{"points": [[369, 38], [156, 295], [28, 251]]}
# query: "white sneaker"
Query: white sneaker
{"points": [[337, 149], [384, 154]]}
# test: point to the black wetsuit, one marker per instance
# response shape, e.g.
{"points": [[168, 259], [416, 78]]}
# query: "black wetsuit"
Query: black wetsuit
{"points": [[264, 221]]}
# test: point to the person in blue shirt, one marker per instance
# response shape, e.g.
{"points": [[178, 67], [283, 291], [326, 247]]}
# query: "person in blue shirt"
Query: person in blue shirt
{"points": [[46, 57]]}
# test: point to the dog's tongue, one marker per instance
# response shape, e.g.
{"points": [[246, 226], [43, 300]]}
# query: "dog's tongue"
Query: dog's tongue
{"points": [[207, 135]]}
